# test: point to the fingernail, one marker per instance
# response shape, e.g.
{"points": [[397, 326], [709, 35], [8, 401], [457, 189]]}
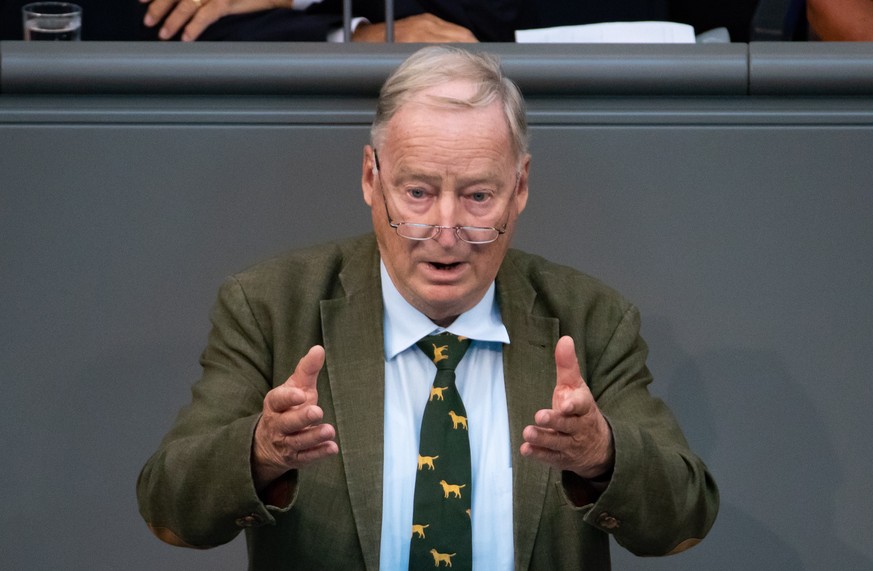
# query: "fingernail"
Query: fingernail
{"points": [[149, 20], [164, 34]]}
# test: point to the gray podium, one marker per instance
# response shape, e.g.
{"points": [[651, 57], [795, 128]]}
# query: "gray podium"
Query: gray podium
{"points": [[725, 189]]}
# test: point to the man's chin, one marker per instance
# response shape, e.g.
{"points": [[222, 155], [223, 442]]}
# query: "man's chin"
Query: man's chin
{"points": [[446, 302]]}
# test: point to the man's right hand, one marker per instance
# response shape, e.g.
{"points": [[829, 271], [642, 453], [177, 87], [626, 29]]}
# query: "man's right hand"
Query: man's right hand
{"points": [[290, 433], [421, 28]]}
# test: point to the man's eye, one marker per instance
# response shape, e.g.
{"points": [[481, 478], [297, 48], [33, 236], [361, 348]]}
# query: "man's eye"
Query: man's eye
{"points": [[416, 193], [479, 196]]}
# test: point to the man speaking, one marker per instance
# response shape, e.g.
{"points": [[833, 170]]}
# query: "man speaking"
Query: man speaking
{"points": [[425, 396]]}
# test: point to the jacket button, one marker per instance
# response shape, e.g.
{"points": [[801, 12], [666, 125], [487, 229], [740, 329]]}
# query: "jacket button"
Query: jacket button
{"points": [[607, 521], [250, 520]]}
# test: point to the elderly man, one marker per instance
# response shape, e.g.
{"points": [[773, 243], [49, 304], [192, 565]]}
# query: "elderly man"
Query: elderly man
{"points": [[348, 462]]}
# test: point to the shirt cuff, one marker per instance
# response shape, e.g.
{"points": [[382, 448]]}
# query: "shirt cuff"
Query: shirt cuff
{"points": [[336, 36]]}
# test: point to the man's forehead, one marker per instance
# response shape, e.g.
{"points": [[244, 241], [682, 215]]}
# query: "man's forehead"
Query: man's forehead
{"points": [[435, 106], [465, 133], [459, 89], [445, 112]]}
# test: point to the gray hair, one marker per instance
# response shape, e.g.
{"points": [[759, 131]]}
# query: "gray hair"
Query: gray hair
{"points": [[434, 65]]}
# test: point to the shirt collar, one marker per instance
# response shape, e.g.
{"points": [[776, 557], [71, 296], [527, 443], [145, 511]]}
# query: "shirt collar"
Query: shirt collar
{"points": [[404, 325]]}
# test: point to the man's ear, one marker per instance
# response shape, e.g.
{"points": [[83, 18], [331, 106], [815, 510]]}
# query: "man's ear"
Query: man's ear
{"points": [[521, 195], [369, 172]]}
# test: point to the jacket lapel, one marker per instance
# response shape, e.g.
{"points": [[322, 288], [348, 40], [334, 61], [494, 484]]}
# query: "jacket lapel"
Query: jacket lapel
{"points": [[528, 363], [352, 327]]}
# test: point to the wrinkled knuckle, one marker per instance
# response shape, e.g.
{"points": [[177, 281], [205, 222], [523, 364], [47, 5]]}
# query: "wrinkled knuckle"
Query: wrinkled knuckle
{"points": [[279, 444], [577, 437]]}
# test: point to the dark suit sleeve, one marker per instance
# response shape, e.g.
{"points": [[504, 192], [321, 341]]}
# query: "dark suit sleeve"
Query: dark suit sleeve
{"points": [[661, 498], [197, 490], [274, 26]]}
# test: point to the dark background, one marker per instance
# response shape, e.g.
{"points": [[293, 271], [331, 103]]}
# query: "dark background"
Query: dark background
{"points": [[109, 20]]}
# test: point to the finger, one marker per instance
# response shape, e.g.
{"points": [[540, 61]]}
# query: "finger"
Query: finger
{"points": [[297, 419], [571, 403], [542, 454], [546, 455], [545, 438], [533, 435], [275, 458], [284, 397], [566, 423], [181, 14], [317, 453], [203, 18], [311, 437], [158, 9]]}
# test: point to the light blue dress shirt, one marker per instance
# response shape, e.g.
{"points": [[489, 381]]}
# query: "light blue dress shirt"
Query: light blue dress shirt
{"points": [[409, 375]]}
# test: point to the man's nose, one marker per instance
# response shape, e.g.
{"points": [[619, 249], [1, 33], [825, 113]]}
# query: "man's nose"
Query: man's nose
{"points": [[448, 219], [447, 237]]}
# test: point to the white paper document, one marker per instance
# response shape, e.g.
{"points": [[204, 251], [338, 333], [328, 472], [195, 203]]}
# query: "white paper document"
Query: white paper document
{"points": [[611, 33]]}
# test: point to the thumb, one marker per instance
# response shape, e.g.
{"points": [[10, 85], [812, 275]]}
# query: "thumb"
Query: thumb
{"points": [[566, 364], [306, 373]]}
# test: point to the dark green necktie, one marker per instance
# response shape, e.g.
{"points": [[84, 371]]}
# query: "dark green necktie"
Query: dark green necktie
{"points": [[441, 523]]}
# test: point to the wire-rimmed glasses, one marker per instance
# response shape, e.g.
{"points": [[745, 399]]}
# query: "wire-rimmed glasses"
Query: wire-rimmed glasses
{"points": [[421, 232]]}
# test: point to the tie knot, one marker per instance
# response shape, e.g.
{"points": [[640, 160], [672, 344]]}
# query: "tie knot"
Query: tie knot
{"points": [[445, 349]]}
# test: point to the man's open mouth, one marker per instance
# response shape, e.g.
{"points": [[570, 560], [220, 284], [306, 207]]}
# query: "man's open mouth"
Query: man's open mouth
{"points": [[440, 266]]}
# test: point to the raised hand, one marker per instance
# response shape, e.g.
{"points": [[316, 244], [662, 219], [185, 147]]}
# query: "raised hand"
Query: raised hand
{"points": [[290, 433], [572, 435]]}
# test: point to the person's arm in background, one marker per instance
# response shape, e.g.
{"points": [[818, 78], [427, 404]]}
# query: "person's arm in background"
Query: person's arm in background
{"points": [[841, 20], [418, 28], [192, 18]]}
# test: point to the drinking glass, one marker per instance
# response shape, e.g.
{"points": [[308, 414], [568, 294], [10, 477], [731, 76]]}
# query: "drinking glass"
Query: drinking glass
{"points": [[52, 21]]}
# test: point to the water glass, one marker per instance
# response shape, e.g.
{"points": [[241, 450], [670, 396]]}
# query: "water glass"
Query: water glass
{"points": [[52, 21]]}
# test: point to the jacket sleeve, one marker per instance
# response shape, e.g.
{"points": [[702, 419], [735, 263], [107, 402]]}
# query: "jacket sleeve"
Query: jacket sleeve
{"points": [[661, 498], [276, 25], [197, 489]]}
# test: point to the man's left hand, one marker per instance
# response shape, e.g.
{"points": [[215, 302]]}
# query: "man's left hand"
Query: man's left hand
{"points": [[572, 435]]}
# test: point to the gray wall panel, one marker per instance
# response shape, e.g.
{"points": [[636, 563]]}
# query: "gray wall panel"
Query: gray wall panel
{"points": [[748, 251], [817, 68], [114, 243]]}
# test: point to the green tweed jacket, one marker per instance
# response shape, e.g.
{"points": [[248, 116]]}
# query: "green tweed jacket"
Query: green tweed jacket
{"points": [[197, 489]]}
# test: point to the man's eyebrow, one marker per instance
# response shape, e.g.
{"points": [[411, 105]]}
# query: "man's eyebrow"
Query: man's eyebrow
{"points": [[492, 179], [402, 174]]}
